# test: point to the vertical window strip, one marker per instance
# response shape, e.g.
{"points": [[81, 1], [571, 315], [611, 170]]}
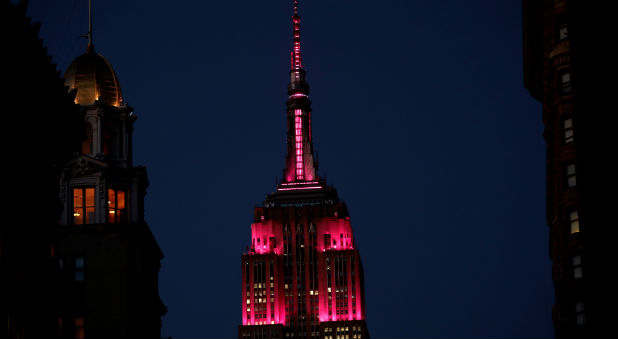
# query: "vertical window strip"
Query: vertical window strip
{"points": [[299, 144]]}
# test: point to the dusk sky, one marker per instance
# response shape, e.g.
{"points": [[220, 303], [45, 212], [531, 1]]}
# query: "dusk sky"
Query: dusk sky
{"points": [[420, 120]]}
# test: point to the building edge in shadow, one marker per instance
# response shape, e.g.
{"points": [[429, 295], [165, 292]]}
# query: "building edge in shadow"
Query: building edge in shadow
{"points": [[567, 70], [77, 259]]}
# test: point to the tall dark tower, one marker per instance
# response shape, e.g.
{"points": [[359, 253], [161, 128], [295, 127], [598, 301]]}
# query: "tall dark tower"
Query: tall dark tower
{"points": [[109, 258], [35, 100], [564, 70], [302, 276]]}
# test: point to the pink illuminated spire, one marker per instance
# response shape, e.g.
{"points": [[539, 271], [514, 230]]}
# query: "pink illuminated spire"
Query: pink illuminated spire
{"points": [[296, 59], [300, 164]]}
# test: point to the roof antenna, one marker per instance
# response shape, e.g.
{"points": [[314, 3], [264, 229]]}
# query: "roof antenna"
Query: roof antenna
{"points": [[89, 34], [89, 22], [296, 59]]}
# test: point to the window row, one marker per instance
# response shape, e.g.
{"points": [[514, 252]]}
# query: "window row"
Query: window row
{"points": [[84, 206]]}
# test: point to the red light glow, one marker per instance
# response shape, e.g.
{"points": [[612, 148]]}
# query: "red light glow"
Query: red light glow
{"points": [[298, 95], [299, 188], [300, 169], [338, 295], [302, 265], [299, 183]]}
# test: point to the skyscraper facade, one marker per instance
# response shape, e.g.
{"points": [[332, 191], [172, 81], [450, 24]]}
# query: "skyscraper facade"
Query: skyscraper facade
{"points": [[302, 276], [562, 70]]}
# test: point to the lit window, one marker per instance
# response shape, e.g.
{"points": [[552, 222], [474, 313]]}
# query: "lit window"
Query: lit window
{"points": [[579, 314], [83, 205], [79, 269], [571, 180], [577, 266], [564, 80], [574, 221], [79, 328], [568, 130], [116, 206]]}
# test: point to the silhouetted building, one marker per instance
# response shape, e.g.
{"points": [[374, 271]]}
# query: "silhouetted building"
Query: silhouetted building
{"points": [[77, 259], [302, 276], [109, 258], [565, 71], [40, 127]]}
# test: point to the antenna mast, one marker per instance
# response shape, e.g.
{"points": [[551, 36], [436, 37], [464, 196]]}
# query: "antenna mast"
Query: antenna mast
{"points": [[89, 22]]}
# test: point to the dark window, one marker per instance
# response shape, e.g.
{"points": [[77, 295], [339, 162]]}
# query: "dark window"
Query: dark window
{"points": [[569, 171], [564, 82], [79, 269], [562, 29], [567, 128], [579, 314], [577, 266], [87, 143], [326, 241]]}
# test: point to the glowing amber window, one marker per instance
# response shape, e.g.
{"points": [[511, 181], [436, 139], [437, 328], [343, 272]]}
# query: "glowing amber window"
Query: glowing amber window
{"points": [[79, 328], [116, 207], [83, 205]]}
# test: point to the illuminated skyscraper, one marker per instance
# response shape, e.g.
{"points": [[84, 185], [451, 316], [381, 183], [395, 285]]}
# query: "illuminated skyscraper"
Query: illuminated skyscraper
{"points": [[302, 276]]}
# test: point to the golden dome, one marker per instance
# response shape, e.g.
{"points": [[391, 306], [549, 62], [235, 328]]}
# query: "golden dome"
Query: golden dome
{"points": [[94, 78]]}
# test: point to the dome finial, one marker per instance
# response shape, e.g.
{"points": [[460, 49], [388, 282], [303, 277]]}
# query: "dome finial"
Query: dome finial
{"points": [[89, 22], [90, 48]]}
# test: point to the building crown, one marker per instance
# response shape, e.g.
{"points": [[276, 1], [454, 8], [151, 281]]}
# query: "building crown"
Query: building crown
{"points": [[301, 167]]}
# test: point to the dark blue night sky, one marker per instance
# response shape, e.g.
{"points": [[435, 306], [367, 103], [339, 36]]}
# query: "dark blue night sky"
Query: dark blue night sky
{"points": [[420, 120]]}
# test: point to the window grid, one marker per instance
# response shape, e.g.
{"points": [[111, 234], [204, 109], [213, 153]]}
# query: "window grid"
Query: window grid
{"points": [[83, 205]]}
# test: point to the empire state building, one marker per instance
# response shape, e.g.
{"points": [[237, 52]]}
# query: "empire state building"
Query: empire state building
{"points": [[302, 276]]}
